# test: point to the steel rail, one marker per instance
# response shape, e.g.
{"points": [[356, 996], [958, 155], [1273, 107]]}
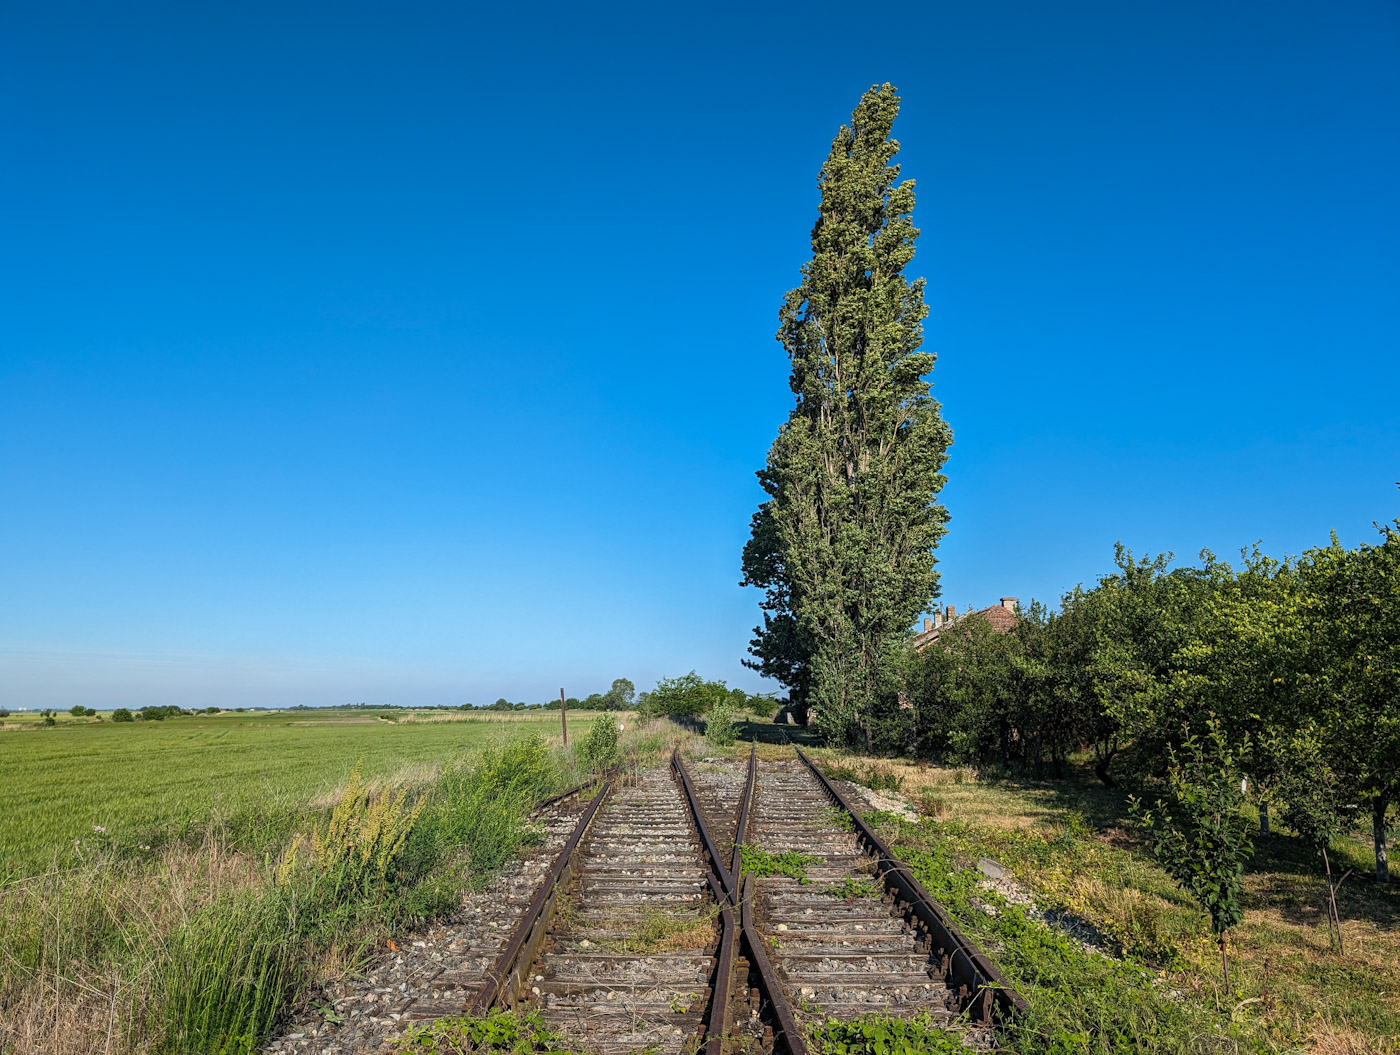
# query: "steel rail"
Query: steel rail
{"points": [[503, 982], [984, 990], [792, 1035], [745, 892], [544, 804], [718, 878]]}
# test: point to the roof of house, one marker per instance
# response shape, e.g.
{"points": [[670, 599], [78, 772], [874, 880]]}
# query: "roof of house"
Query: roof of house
{"points": [[1002, 617]]}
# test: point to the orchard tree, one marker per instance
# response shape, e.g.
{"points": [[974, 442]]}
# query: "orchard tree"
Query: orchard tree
{"points": [[1351, 600], [843, 547], [1198, 832], [1316, 801]]}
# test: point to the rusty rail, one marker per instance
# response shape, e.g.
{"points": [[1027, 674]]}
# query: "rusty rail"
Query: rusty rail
{"points": [[718, 878], [792, 1034], [984, 990], [504, 981], [744, 893], [544, 804]]}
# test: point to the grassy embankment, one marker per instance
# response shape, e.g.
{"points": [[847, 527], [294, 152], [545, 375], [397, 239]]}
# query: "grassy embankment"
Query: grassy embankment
{"points": [[236, 866], [1072, 847]]}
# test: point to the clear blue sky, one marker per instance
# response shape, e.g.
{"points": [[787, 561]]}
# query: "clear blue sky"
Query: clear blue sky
{"points": [[424, 354]]}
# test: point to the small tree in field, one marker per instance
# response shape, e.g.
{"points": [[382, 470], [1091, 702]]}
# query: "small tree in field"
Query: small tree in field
{"points": [[600, 748], [719, 724], [1198, 833], [1316, 805]]}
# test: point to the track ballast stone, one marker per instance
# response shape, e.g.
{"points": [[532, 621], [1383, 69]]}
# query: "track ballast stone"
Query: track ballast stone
{"points": [[838, 957], [434, 973], [608, 978]]}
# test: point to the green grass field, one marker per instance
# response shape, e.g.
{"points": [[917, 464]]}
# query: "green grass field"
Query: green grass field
{"points": [[136, 779]]}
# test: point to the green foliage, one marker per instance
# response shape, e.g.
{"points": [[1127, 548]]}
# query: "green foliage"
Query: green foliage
{"points": [[159, 714], [843, 546], [719, 724], [1198, 832], [47, 715], [688, 696], [761, 862], [495, 1032], [79, 711], [882, 1035], [121, 714], [1080, 1001], [231, 970], [599, 749]]}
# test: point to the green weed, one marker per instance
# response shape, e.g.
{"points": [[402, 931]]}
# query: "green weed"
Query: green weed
{"points": [[881, 1035], [495, 1032], [761, 863]]}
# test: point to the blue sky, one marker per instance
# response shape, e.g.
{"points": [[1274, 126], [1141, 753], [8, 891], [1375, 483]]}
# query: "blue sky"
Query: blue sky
{"points": [[424, 353]]}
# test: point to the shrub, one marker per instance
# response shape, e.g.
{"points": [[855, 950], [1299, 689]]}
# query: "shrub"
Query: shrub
{"points": [[719, 726], [363, 837], [4, 713], [930, 805], [600, 747], [121, 714], [1199, 834]]}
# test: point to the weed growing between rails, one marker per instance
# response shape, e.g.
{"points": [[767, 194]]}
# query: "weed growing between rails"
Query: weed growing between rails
{"points": [[496, 1031], [790, 863], [199, 945], [883, 1035]]}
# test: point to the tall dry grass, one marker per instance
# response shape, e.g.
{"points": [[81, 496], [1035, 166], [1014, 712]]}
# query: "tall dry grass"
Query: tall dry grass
{"points": [[198, 946]]}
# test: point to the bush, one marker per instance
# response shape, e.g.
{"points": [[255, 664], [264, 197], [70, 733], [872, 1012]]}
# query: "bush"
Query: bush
{"points": [[4, 713], [719, 726], [599, 749], [121, 714]]}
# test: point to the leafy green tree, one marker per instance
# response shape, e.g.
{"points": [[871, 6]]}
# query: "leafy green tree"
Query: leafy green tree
{"points": [[1198, 832], [122, 714], [688, 696], [843, 547], [1317, 801], [622, 694], [1351, 602]]}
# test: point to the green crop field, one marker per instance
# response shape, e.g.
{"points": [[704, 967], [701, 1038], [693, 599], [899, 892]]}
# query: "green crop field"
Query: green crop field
{"points": [[136, 779]]}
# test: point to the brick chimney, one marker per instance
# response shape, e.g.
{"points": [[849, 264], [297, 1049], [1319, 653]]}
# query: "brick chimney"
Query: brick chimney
{"points": [[937, 620], [928, 625], [952, 614], [1009, 603]]}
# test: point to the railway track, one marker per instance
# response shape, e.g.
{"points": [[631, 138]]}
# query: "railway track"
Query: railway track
{"points": [[645, 932]]}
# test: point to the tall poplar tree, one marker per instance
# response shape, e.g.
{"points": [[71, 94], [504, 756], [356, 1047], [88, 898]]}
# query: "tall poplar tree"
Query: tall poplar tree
{"points": [[844, 545]]}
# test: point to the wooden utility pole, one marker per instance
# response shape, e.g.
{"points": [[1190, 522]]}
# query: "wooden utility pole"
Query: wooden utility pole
{"points": [[564, 717]]}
